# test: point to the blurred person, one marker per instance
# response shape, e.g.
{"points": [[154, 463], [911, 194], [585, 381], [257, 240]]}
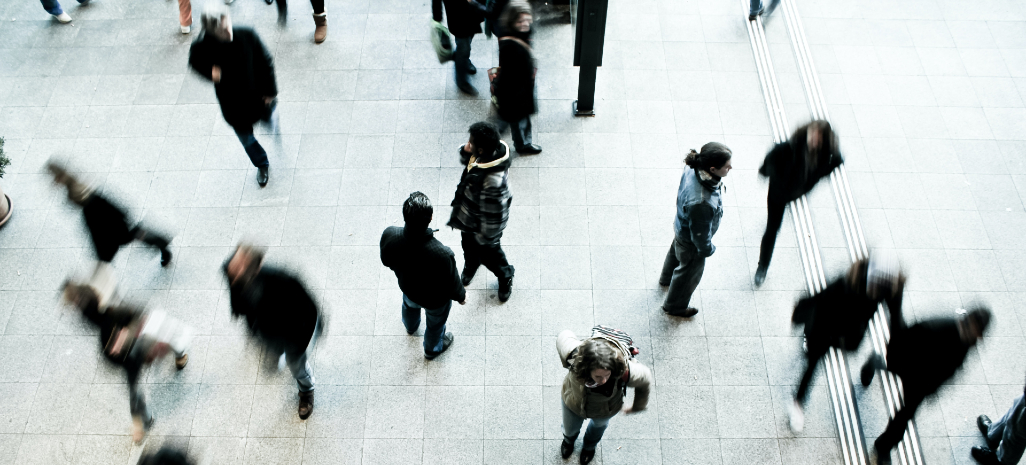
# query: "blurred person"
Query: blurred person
{"points": [[279, 312], [756, 9], [839, 315], [480, 207], [54, 8], [493, 14], [600, 370], [166, 456], [106, 221], [1006, 439], [514, 86], [131, 339], [463, 18], [242, 71], [793, 168], [924, 356], [319, 16], [185, 16], [427, 273], [699, 209]]}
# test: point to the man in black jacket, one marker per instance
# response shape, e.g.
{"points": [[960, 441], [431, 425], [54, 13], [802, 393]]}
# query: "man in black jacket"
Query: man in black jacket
{"points": [[242, 71], [924, 355], [464, 20], [793, 168], [427, 273], [278, 311]]}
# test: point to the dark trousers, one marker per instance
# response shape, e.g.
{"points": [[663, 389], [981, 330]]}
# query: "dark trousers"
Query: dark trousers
{"points": [[489, 254], [461, 57], [151, 238], [136, 399], [774, 218], [520, 130], [682, 271], [435, 327], [256, 153], [318, 7], [816, 352], [891, 436]]}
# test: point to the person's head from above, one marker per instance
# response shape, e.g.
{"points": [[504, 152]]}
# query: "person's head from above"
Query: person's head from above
{"points": [[973, 324], [244, 264], [820, 138], [484, 139], [78, 191], [713, 159], [417, 211], [216, 20], [78, 295], [596, 362], [517, 17]]}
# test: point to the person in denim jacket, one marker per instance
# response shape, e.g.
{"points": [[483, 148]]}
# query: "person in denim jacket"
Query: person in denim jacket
{"points": [[699, 209]]}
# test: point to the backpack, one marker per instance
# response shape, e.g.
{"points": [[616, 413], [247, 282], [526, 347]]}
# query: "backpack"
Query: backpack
{"points": [[624, 342]]}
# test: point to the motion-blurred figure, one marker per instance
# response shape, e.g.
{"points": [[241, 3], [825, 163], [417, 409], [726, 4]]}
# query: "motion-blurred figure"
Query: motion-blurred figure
{"points": [[319, 16], [793, 168], [107, 223], [242, 71], [839, 315], [699, 209], [924, 355], [514, 86], [278, 311], [54, 8], [756, 9], [464, 20], [427, 273], [166, 456], [1006, 439], [600, 369], [132, 339], [480, 207]]}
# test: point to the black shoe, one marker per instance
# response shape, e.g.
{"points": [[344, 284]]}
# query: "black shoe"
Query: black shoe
{"points": [[686, 313], [447, 340], [306, 404], [664, 284], [874, 363], [883, 457], [467, 89], [467, 276], [262, 176], [505, 289], [471, 69], [760, 276], [984, 455], [983, 423], [587, 456], [566, 449], [529, 149], [752, 17], [165, 257]]}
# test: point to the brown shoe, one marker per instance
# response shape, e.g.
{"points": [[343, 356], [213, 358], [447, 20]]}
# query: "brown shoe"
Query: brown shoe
{"points": [[321, 32], [306, 402], [180, 362]]}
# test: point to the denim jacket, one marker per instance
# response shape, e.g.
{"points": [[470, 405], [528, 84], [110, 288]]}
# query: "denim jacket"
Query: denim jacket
{"points": [[699, 209]]}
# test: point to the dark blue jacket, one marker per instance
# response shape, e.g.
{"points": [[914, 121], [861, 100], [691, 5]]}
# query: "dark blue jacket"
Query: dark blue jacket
{"points": [[699, 209]]}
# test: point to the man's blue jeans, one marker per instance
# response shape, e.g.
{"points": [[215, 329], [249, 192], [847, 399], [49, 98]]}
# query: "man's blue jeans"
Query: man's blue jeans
{"points": [[435, 327], [54, 7], [1010, 431], [256, 152], [572, 423]]}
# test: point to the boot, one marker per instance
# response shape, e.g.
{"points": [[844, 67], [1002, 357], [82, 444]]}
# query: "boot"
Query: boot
{"points": [[306, 404], [321, 33], [505, 289]]}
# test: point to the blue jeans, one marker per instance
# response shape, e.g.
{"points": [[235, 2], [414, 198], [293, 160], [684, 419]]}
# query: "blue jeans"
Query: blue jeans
{"points": [[755, 7], [435, 327], [54, 7], [256, 153], [461, 57], [1010, 433], [572, 423]]}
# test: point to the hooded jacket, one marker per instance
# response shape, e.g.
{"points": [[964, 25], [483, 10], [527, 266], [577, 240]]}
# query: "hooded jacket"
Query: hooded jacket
{"points": [[247, 74], [699, 210], [482, 200], [587, 402], [787, 169], [426, 269]]}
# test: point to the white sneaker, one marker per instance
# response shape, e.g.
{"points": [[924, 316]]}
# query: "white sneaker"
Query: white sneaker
{"points": [[186, 29], [64, 18], [797, 417]]}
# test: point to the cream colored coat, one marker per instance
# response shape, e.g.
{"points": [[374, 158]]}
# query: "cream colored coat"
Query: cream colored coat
{"points": [[576, 395]]}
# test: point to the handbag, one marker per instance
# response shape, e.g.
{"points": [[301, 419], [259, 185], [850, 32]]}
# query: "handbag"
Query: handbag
{"points": [[441, 41]]}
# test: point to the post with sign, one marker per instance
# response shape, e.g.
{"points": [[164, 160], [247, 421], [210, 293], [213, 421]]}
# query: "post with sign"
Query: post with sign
{"points": [[590, 19]]}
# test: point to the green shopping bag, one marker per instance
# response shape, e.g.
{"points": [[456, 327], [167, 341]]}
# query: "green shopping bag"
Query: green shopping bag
{"points": [[440, 39]]}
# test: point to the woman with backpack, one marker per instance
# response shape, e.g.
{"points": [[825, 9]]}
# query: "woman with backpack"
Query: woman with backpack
{"points": [[600, 371], [513, 88]]}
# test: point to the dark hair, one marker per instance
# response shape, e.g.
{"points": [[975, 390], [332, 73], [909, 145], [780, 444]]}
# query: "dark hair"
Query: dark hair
{"points": [[596, 354], [485, 136], [417, 210], [713, 155], [980, 317], [512, 13], [828, 138]]}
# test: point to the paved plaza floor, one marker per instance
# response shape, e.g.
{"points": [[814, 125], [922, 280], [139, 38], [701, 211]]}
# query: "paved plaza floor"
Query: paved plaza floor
{"points": [[927, 97]]}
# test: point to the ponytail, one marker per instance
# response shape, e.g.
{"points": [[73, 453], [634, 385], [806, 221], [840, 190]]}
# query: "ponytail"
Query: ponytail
{"points": [[713, 155]]}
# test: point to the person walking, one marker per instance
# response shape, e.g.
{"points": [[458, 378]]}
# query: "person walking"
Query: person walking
{"points": [[319, 16], [107, 223], [514, 86], [125, 340], [755, 8], [793, 168], [924, 355], [600, 370], [242, 71], [699, 209], [463, 18], [54, 8], [1006, 439], [279, 312], [427, 273], [480, 207], [839, 315]]}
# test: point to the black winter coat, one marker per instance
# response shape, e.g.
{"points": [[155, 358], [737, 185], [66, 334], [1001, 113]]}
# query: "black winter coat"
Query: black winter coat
{"points": [[838, 316], [247, 74], [463, 17], [108, 227], [514, 88], [926, 354], [277, 308], [785, 166], [426, 269]]}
